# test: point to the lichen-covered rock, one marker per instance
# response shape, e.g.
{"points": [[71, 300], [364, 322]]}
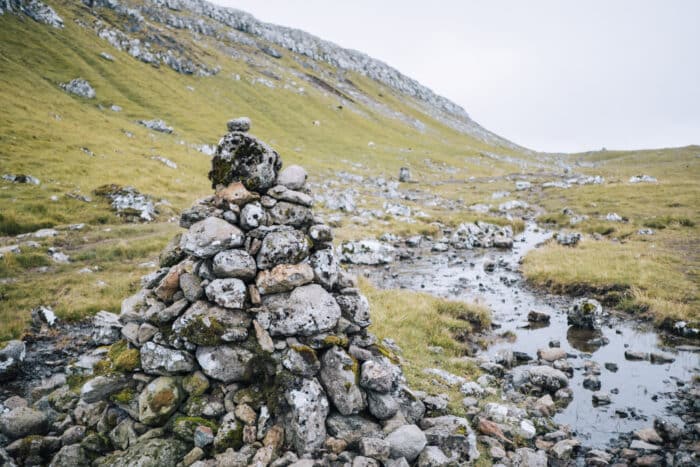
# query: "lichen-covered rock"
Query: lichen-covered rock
{"points": [[154, 452], [355, 308], [225, 363], [71, 454], [367, 252], [129, 203], [228, 293], [157, 125], [209, 325], [234, 264], [159, 360], [353, 428], [284, 278], [382, 406], [307, 310], [305, 426], [585, 313], [210, 236], [242, 157], [79, 87], [545, 377], [12, 356], [283, 247], [302, 361], [159, 400], [284, 213], [325, 266], [252, 216], [376, 376], [229, 434], [241, 124], [339, 376]]}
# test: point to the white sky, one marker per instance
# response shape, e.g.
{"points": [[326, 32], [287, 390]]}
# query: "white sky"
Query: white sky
{"points": [[550, 75]]}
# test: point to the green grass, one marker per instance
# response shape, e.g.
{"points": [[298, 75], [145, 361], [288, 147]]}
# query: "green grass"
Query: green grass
{"points": [[399, 314]]}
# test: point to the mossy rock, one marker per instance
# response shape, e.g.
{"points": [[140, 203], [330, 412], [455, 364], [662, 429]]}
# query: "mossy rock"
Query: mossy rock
{"points": [[126, 396], [184, 427], [195, 384]]}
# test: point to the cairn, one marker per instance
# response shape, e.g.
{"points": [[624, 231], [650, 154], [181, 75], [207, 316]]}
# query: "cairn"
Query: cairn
{"points": [[250, 345]]}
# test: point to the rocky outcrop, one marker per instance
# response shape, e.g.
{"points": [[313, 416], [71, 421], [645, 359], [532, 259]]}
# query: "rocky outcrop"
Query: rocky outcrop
{"points": [[36, 10]]}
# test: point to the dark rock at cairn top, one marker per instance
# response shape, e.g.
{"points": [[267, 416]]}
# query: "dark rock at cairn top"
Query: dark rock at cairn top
{"points": [[243, 157]]}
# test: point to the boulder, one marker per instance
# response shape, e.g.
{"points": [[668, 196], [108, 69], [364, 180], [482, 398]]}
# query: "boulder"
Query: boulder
{"points": [[208, 325], [236, 264], [242, 157], [305, 426], [307, 310], [210, 236], [12, 356], [159, 360], [338, 375], [406, 441], [23, 421], [293, 177], [284, 278], [585, 313], [228, 293], [283, 247], [225, 363], [79, 87]]}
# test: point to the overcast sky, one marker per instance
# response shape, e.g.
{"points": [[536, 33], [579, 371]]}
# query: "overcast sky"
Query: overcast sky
{"points": [[549, 75]]}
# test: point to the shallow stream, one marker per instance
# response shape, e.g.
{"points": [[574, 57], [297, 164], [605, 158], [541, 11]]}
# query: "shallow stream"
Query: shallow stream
{"points": [[640, 390]]}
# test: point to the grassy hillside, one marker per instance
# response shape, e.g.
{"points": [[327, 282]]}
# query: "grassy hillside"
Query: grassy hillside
{"points": [[44, 130]]}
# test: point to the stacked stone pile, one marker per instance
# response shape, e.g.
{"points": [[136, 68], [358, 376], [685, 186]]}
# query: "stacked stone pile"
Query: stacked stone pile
{"points": [[248, 347]]}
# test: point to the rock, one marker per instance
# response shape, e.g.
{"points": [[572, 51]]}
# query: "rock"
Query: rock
{"points": [[129, 203], [375, 448], [73, 455], [404, 174], [406, 441], [601, 398], [382, 406], [12, 355], [283, 247], [527, 457], [107, 328], [612, 367], [545, 377], [648, 435], [667, 430], [284, 278], [241, 157], [159, 360], [545, 405], [551, 354], [156, 125], [241, 124], [325, 268], [432, 456], [367, 252], [376, 377], [100, 387], [207, 324], [236, 193], [225, 364], [568, 238], [305, 426], [521, 185], [284, 213], [159, 400], [23, 421], [636, 356], [293, 177], [659, 358], [614, 217], [338, 376], [307, 310], [228, 293], [154, 452], [236, 264], [585, 313], [453, 435], [353, 428], [210, 236], [639, 445], [537, 317], [252, 216], [642, 179], [191, 287], [592, 383], [80, 87]]}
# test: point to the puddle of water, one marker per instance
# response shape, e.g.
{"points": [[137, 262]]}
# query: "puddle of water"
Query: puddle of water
{"points": [[645, 389]]}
